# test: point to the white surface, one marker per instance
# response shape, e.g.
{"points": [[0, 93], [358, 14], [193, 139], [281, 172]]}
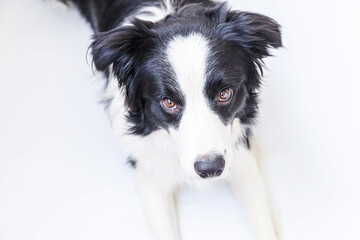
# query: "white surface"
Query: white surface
{"points": [[63, 177]]}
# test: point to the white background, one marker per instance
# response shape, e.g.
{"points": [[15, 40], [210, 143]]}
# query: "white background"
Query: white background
{"points": [[62, 175]]}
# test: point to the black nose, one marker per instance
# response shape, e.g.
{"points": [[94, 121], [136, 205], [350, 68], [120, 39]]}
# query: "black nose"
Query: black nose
{"points": [[209, 166]]}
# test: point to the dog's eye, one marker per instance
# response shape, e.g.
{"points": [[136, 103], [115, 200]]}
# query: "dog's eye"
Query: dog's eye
{"points": [[168, 104], [225, 95]]}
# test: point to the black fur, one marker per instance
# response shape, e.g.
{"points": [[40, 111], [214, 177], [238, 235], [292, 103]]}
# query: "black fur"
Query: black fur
{"points": [[132, 162], [104, 15]]}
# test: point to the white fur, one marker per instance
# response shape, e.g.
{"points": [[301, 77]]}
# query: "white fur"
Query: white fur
{"points": [[201, 131], [249, 188], [165, 160], [151, 13]]}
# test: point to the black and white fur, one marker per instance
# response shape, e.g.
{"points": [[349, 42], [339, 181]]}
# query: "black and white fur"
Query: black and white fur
{"points": [[189, 51]]}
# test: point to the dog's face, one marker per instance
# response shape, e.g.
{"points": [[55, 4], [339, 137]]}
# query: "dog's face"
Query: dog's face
{"points": [[194, 74]]}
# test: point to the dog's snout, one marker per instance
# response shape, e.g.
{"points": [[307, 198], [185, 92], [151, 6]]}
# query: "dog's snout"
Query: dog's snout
{"points": [[209, 166]]}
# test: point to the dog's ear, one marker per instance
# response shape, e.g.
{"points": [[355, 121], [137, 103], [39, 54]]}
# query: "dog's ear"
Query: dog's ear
{"points": [[121, 47], [255, 33]]}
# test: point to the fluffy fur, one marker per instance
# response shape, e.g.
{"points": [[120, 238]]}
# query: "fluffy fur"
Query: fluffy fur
{"points": [[193, 54]]}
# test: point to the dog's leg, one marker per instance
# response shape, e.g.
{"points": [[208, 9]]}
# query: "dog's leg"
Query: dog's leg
{"points": [[249, 188], [160, 209]]}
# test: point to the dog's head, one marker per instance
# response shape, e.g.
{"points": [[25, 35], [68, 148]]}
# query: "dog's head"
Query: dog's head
{"points": [[195, 74]]}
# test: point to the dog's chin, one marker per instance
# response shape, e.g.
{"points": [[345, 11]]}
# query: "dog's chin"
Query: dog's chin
{"points": [[203, 184]]}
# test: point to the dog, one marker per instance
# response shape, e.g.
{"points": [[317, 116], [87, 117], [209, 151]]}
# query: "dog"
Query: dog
{"points": [[183, 78]]}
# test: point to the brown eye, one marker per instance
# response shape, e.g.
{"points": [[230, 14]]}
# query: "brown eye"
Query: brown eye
{"points": [[168, 104], [225, 95]]}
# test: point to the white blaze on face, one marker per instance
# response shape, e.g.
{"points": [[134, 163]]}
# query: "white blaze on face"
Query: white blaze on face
{"points": [[200, 131]]}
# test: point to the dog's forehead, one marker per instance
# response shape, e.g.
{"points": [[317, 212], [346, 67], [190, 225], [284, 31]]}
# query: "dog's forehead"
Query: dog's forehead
{"points": [[188, 56]]}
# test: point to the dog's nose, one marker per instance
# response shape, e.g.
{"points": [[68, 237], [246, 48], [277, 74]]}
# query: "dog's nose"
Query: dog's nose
{"points": [[209, 166]]}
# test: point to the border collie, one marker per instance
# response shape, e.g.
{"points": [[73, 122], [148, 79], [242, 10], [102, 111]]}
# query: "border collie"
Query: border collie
{"points": [[183, 79]]}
